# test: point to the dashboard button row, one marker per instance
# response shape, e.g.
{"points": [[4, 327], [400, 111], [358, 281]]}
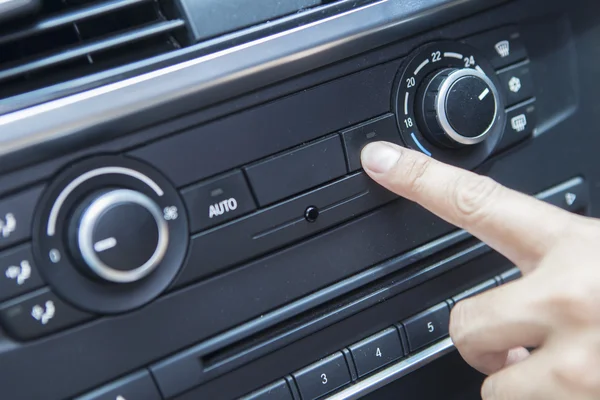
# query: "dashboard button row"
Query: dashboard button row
{"points": [[375, 352], [507, 53], [231, 196]]}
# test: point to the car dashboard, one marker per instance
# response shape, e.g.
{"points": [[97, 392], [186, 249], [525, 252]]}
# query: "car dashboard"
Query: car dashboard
{"points": [[184, 214]]}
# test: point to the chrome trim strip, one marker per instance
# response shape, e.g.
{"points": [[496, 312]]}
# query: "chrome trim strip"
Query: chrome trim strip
{"points": [[563, 187], [102, 111], [394, 372], [91, 174], [442, 112]]}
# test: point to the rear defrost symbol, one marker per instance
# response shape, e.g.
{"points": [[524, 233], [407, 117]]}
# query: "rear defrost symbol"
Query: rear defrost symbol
{"points": [[519, 123]]}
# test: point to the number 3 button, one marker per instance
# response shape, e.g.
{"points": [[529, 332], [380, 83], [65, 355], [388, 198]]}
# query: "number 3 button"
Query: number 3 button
{"points": [[323, 377], [427, 327]]}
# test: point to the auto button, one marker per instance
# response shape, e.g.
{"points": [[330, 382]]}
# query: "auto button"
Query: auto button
{"points": [[217, 201]]}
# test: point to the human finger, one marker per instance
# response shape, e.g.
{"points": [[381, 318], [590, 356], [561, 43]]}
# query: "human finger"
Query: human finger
{"points": [[507, 220], [486, 328]]}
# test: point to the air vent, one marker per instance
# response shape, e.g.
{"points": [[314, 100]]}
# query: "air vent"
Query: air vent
{"points": [[73, 38]]}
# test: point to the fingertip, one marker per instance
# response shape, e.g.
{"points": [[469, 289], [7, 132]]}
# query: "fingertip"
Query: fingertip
{"points": [[380, 157]]}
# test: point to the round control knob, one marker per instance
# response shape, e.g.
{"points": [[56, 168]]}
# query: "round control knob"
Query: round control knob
{"points": [[458, 107], [120, 235]]}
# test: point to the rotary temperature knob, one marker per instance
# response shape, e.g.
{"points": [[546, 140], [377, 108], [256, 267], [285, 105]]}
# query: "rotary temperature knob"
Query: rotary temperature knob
{"points": [[119, 235], [458, 107], [447, 104]]}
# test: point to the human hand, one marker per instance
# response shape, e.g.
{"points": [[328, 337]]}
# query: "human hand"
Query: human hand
{"points": [[554, 308]]}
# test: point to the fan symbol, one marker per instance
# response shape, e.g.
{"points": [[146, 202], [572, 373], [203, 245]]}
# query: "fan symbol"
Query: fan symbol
{"points": [[170, 213], [514, 84]]}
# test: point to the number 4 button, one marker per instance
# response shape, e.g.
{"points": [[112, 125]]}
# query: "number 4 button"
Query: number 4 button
{"points": [[376, 351], [427, 327]]}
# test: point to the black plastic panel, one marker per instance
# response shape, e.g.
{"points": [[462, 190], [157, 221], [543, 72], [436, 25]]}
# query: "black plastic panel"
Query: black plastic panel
{"points": [[281, 224], [266, 130]]}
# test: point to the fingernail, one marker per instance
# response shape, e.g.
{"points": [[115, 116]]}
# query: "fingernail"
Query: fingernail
{"points": [[379, 157], [487, 391]]}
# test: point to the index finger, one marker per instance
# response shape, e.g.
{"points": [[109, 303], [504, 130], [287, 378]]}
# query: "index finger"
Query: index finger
{"points": [[520, 227]]}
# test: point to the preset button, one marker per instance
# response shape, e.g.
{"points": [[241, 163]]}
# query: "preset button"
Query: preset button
{"points": [[376, 351], [323, 377], [427, 327]]}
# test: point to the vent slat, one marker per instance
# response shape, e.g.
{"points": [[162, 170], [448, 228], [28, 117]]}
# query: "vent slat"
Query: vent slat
{"points": [[91, 48], [70, 17]]}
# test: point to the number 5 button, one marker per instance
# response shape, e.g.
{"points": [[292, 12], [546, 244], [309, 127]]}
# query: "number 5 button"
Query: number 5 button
{"points": [[323, 377], [427, 327]]}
